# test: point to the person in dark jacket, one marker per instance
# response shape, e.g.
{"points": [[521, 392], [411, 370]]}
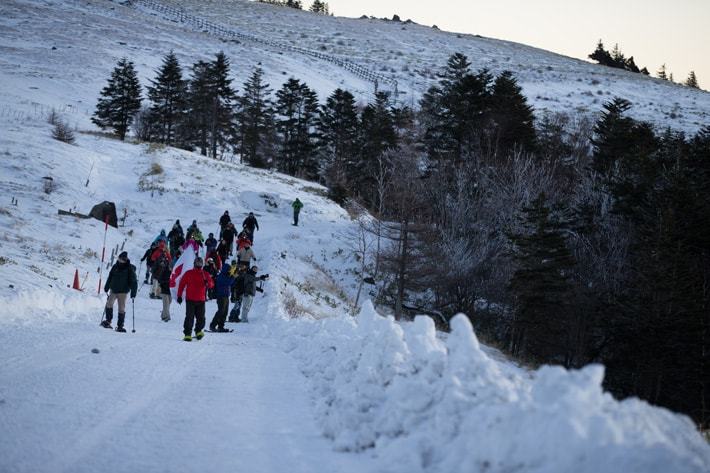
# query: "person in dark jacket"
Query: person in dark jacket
{"points": [[223, 289], [249, 225], [223, 249], [146, 257], [195, 283], [249, 280], [164, 280], [176, 238], [224, 220], [191, 229], [228, 235], [210, 243], [297, 206], [121, 280], [237, 291]]}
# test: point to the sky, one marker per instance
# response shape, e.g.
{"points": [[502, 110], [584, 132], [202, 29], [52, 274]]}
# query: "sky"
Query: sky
{"points": [[654, 32]]}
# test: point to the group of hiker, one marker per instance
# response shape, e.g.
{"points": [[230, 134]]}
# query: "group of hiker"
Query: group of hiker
{"points": [[213, 277]]}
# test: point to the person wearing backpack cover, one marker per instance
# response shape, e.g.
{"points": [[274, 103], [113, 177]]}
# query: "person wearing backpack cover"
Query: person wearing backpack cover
{"points": [[159, 261], [223, 288], [121, 280], [195, 283]]}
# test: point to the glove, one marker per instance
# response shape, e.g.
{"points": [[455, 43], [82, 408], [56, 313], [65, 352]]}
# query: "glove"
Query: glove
{"points": [[259, 289], [179, 300]]}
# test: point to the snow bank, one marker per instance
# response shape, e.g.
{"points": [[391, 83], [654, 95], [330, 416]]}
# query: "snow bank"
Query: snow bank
{"points": [[27, 307], [429, 405]]}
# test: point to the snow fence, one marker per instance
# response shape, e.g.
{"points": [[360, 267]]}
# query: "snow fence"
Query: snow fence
{"points": [[430, 405]]}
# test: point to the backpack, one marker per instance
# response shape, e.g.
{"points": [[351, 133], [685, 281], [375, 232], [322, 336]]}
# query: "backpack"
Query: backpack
{"points": [[159, 265]]}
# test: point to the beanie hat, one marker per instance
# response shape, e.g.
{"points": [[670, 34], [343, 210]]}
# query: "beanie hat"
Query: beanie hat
{"points": [[123, 255]]}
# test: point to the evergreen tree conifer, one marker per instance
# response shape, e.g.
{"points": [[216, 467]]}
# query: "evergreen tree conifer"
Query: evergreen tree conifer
{"points": [[120, 100]]}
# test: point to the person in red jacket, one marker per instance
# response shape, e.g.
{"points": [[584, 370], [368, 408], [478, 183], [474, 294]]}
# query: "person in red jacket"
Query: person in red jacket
{"points": [[196, 281]]}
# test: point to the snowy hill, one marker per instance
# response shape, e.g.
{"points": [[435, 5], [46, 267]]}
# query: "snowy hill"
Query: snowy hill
{"points": [[304, 387], [87, 38]]}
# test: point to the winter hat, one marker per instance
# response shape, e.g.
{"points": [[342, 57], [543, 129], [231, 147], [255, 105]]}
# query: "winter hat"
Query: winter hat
{"points": [[123, 255]]}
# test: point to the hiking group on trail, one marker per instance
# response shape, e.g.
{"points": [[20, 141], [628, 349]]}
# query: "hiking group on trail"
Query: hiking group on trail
{"points": [[175, 269]]}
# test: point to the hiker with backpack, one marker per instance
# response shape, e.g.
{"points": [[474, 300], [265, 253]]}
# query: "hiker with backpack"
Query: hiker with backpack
{"points": [[228, 235], [224, 220], [249, 280], [160, 261], [146, 257], [242, 240], [297, 206], [194, 283], [164, 281], [245, 255], [121, 280], [191, 229], [210, 243], [237, 290], [213, 271], [223, 289], [249, 225], [176, 238]]}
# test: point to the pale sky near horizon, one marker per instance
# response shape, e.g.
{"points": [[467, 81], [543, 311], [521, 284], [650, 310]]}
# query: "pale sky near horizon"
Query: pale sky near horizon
{"points": [[655, 32]]}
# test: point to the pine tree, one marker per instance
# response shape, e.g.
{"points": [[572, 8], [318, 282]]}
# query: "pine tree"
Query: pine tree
{"points": [[377, 136], [692, 81], [662, 74], [211, 101], [338, 130], [168, 95], [601, 55], [294, 4], [121, 100], [513, 117], [319, 7], [670, 78], [456, 112], [296, 123], [255, 120], [200, 97], [542, 326], [222, 106]]}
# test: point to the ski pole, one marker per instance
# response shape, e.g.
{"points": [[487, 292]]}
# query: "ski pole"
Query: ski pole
{"points": [[103, 311], [133, 304]]}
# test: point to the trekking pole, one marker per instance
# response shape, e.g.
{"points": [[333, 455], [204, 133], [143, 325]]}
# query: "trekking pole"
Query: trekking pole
{"points": [[133, 304], [103, 311]]}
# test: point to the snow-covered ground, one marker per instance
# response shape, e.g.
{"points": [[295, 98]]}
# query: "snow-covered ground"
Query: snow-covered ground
{"points": [[306, 386], [74, 44]]}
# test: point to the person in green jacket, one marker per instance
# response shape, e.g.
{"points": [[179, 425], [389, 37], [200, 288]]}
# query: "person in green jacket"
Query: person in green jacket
{"points": [[121, 280], [297, 206]]}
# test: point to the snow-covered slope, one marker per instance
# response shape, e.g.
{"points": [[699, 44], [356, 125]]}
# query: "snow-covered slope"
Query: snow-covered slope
{"points": [[306, 386], [86, 39]]}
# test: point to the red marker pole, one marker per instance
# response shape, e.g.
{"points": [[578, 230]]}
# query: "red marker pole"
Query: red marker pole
{"points": [[103, 254]]}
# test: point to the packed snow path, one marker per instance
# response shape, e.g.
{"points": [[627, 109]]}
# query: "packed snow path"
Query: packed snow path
{"points": [[151, 402]]}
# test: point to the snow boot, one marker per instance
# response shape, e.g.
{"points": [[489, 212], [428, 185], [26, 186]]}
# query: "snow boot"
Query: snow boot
{"points": [[108, 313], [187, 338], [121, 320], [199, 335]]}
